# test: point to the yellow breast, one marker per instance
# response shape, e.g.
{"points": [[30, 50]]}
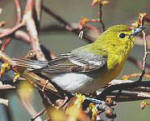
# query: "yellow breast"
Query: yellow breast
{"points": [[111, 74]]}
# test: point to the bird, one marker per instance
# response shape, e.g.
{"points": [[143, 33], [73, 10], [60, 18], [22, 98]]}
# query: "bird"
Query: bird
{"points": [[90, 67]]}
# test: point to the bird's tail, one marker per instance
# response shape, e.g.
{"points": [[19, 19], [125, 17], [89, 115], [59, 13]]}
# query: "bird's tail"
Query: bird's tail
{"points": [[29, 64]]}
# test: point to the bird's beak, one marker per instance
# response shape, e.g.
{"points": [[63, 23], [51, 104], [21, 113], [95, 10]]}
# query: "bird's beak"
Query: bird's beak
{"points": [[137, 30]]}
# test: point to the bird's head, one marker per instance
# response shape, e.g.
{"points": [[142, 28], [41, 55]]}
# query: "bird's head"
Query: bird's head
{"points": [[118, 38]]}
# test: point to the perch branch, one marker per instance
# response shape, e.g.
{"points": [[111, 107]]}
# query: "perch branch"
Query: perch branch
{"points": [[125, 85]]}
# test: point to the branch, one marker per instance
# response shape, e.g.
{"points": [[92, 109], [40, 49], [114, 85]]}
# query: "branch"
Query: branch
{"points": [[5, 87], [19, 13], [11, 31], [38, 114], [32, 29], [4, 45], [100, 17], [145, 55], [38, 13], [66, 24], [133, 75], [127, 85]]}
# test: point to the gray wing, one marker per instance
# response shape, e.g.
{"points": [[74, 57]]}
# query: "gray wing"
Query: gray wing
{"points": [[64, 63]]}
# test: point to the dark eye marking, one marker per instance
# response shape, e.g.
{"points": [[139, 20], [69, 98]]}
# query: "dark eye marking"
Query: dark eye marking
{"points": [[122, 35]]}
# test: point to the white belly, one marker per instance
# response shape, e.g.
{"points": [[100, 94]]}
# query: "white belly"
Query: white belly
{"points": [[74, 82]]}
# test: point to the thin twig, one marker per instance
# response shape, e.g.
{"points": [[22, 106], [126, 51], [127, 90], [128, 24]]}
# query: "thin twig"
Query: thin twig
{"points": [[21, 35], [66, 24], [38, 7], [145, 56], [128, 96], [100, 16], [32, 29], [38, 114], [133, 75], [18, 8], [58, 18], [4, 45], [12, 30]]}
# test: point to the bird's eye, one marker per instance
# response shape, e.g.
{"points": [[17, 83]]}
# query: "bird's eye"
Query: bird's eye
{"points": [[122, 35]]}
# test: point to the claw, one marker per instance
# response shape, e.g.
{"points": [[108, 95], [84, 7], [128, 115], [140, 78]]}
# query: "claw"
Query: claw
{"points": [[16, 77], [4, 68]]}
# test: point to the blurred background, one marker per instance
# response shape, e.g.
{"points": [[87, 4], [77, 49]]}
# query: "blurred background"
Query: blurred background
{"points": [[117, 12]]}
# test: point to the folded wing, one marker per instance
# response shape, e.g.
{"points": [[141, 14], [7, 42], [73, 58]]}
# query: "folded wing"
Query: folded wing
{"points": [[63, 63]]}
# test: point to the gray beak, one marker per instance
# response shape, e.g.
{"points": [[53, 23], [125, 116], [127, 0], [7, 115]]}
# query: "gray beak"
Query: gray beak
{"points": [[137, 30]]}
